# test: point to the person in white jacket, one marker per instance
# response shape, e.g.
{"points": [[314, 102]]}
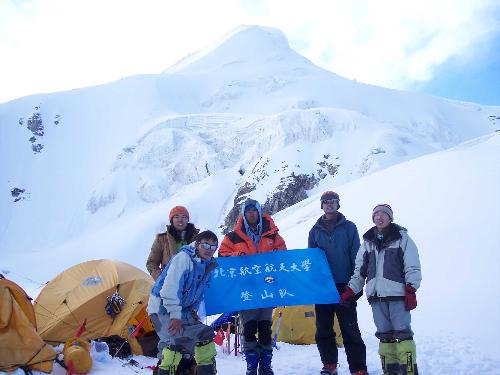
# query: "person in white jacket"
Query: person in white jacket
{"points": [[173, 307], [388, 260]]}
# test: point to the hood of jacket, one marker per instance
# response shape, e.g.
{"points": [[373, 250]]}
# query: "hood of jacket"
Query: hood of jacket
{"points": [[393, 233], [267, 226]]}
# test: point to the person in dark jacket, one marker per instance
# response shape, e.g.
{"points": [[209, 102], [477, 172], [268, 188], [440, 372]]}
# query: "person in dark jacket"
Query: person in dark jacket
{"points": [[180, 232], [339, 239], [388, 260]]}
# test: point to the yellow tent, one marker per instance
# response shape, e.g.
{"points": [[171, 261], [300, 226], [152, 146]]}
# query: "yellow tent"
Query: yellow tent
{"points": [[20, 345], [81, 293], [298, 325]]}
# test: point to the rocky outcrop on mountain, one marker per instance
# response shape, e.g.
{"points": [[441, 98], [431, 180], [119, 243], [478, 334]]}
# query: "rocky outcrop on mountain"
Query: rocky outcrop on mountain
{"points": [[36, 126], [97, 202], [292, 189], [327, 168], [18, 194]]}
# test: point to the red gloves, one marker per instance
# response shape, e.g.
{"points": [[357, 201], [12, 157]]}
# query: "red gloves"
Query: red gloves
{"points": [[410, 297], [347, 295]]}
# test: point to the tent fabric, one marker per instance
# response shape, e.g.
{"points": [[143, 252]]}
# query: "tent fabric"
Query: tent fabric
{"points": [[80, 293], [298, 325], [20, 345]]}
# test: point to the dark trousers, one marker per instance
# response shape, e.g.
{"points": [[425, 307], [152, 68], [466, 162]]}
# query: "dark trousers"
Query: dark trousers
{"points": [[325, 335], [257, 322]]}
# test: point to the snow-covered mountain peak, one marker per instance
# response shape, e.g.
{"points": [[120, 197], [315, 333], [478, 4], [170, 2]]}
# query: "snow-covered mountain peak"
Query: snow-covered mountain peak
{"points": [[248, 110], [243, 45]]}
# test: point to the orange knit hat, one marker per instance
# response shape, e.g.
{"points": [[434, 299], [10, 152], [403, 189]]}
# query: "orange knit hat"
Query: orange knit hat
{"points": [[178, 210]]}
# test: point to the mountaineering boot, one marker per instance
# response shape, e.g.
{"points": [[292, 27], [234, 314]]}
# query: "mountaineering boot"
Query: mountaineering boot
{"points": [[204, 354], [266, 356], [387, 349], [407, 357], [186, 365], [252, 358], [329, 369], [169, 361]]}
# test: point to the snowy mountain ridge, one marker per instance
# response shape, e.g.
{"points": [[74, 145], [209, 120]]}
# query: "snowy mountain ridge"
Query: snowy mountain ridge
{"points": [[138, 141]]}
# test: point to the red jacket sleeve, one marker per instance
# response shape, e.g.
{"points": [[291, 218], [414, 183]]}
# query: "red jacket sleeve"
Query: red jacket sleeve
{"points": [[279, 243], [226, 248]]}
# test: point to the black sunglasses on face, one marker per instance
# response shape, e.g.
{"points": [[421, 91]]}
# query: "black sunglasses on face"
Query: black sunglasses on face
{"points": [[330, 201], [207, 246]]}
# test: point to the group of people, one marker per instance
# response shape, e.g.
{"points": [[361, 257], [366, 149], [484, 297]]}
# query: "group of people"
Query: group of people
{"points": [[182, 260]]}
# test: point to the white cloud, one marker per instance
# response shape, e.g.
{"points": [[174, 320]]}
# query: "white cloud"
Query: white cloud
{"points": [[390, 42], [56, 45]]}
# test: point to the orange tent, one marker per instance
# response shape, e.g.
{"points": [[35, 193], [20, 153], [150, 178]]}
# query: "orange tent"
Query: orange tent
{"points": [[80, 293], [20, 345]]}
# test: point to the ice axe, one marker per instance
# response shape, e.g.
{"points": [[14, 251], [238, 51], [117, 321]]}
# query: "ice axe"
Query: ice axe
{"points": [[276, 332]]}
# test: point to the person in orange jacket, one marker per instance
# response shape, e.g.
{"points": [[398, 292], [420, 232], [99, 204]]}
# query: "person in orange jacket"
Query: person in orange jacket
{"points": [[254, 233]]}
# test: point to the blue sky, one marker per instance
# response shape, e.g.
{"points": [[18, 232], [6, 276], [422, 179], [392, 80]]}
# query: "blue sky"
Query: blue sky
{"points": [[477, 80], [442, 47]]}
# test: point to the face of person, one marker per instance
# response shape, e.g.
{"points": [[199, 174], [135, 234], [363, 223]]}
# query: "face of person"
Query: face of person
{"points": [[330, 206], [252, 216], [381, 220], [206, 248], [180, 221]]}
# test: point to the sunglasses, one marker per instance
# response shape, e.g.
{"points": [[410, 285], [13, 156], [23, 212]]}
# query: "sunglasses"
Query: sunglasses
{"points": [[330, 201], [207, 246]]}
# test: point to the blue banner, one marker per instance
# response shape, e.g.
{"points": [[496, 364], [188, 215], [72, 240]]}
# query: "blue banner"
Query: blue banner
{"points": [[278, 278]]}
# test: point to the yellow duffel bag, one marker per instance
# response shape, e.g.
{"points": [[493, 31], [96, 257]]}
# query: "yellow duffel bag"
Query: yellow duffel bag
{"points": [[77, 355]]}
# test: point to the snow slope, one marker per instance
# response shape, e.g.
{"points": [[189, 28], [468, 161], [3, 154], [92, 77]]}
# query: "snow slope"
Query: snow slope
{"points": [[450, 204]]}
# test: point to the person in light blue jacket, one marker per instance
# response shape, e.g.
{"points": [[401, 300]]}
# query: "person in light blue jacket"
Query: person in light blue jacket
{"points": [[173, 307]]}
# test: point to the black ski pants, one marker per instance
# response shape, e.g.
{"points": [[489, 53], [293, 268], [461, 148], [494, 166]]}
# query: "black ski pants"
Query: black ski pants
{"points": [[325, 335], [257, 322]]}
